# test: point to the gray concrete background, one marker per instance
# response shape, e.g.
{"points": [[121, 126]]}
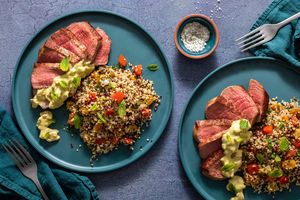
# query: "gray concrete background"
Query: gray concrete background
{"points": [[158, 175]]}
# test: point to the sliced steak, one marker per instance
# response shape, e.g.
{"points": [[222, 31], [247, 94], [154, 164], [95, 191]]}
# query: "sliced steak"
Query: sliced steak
{"points": [[66, 39], [47, 55], [241, 102], [219, 108], [211, 167], [88, 36], [103, 52], [51, 44], [43, 74], [209, 135], [260, 97]]}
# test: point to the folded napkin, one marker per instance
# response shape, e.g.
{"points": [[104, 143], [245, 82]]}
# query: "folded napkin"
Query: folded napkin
{"points": [[58, 184], [286, 44]]}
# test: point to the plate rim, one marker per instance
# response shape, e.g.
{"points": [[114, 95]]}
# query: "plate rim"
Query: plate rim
{"points": [[60, 162], [200, 190]]}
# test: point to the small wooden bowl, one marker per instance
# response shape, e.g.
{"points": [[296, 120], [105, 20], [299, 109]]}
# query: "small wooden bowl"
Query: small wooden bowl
{"points": [[212, 43]]}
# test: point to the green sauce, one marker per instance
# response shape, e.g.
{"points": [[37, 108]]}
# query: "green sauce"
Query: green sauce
{"points": [[46, 133], [62, 87], [236, 185], [236, 135]]}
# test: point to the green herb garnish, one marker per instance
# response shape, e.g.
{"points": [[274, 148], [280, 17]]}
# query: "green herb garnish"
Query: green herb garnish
{"points": [[122, 109], [260, 157], [101, 119], [298, 153], [228, 167], [53, 95], [76, 81], [283, 144], [277, 158], [281, 125], [269, 141], [153, 67], [116, 66], [275, 173], [77, 121], [231, 188], [63, 84], [94, 107], [64, 65], [112, 85], [244, 124]]}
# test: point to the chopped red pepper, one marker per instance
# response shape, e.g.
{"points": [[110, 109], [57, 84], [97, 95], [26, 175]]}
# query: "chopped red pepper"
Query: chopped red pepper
{"points": [[296, 143], [283, 180], [122, 61], [146, 112], [253, 169], [291, 153], [128, 141], [268, 129], [118, 96], [294, 120], [93, 96], [138, 70], [115, 140], [109, 112]]}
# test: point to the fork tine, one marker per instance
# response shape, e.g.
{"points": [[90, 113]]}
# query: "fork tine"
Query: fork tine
{"points": [[254, 45], [13, 156], [248, 34], [21, 154], [252, 42], [250, 38], [29, 157]]}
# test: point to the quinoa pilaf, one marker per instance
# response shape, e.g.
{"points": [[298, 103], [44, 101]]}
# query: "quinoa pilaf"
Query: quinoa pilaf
{"points": [[272, 156], [110, 107]]}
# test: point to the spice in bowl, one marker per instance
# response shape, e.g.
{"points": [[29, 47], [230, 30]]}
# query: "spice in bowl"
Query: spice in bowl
{"points": [[194, 36]]}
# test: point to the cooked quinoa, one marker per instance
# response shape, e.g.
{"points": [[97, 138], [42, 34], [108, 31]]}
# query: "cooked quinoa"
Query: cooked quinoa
{"points": [[272, 156], [110, 107]]}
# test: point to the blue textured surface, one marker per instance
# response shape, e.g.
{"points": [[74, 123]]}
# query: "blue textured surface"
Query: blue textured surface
{"points": [[158, 175]]}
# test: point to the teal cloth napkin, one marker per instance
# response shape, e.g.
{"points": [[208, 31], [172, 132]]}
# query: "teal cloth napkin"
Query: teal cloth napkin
{"points": [[58, 184], [286, 44]]}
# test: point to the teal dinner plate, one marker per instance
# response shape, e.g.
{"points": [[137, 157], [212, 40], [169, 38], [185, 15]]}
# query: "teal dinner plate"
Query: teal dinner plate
{"points": [[279, 79], [128, 39]]}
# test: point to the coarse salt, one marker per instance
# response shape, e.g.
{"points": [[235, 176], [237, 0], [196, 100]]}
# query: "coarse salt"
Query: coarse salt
{"points": [[194, 36]]}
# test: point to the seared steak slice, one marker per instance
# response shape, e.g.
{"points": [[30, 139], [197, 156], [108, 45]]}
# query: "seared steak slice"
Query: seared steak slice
{"points": [[43, 74], [47, 55], [88, 36], [211, 167], [219, 108], [259, 96], [103, 52], [209, 135], [67, 40], [51, 44], [241, 102]]}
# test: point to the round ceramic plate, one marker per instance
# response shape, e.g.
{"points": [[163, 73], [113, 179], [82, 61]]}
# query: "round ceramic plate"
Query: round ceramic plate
{"points": [[129, 39], [278, 78]]}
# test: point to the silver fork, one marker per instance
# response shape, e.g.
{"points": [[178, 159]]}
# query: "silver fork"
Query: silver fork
{"points": [[25, 163], [262, 34]]}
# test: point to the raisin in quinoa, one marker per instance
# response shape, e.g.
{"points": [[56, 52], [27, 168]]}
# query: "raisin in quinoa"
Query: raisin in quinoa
{"points": [[272, 156], [110, 107]]}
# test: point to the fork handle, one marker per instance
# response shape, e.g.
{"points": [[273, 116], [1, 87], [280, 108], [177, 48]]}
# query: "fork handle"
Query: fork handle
{"points": [[288, 20], [39, 187]]}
